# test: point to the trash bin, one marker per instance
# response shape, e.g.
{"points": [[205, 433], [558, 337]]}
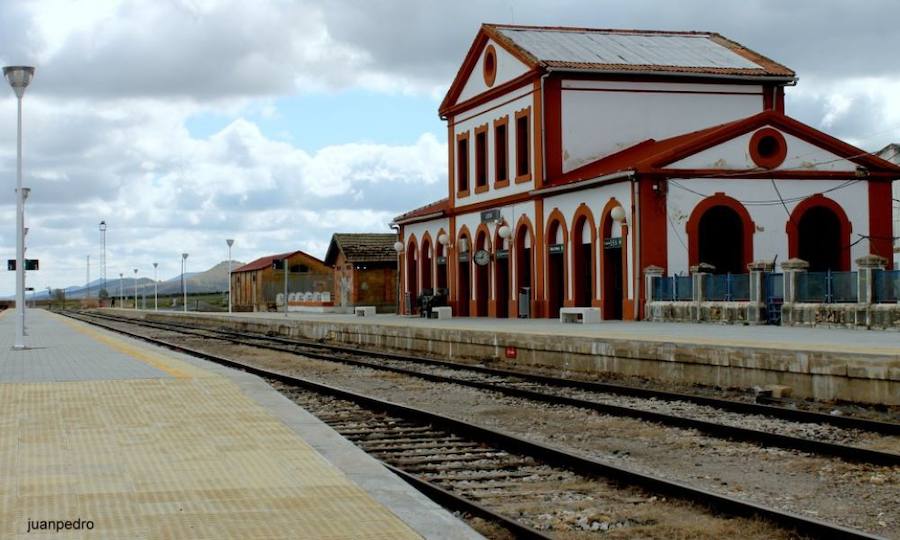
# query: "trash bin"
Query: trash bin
{"points": [[524, 302]]}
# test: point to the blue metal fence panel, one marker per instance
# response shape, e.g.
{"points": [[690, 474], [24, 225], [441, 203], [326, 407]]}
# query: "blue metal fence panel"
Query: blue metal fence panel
{"points": [[886, 286], [740, 287], [684, 287], [812, 287], [715, 287], [844, 287]]}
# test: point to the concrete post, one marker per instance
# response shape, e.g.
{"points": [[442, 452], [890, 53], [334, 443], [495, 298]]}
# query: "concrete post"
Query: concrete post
{"points": [[756, 310], [699, 274], [791, 269], [865, 284], [650, 272]]}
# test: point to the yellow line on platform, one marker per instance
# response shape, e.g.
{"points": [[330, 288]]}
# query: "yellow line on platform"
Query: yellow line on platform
{"points": [[154, 360]]}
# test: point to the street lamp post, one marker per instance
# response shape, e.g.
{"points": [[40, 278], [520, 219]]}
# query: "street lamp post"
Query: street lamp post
{"points": [[230, 243], [19, 78], [184, 257], [103, 258], [155, 287], [121, 290], [135, 288]]}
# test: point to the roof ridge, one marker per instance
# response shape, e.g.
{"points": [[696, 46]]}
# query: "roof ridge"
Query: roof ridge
{"points": [[542, 28]]}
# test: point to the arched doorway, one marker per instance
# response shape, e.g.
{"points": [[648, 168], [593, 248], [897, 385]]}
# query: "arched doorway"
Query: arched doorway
{"points": [[502, 276], [524, 265], [463, 275], [427, 261], [720, 233], [481, 258], [556, 265], [412, 274], [819, 233], [583, 256], [612, 269]]}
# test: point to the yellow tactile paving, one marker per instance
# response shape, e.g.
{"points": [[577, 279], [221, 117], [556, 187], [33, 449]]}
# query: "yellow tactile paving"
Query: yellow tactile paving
{"points": [[166, 364], [187, 457]]}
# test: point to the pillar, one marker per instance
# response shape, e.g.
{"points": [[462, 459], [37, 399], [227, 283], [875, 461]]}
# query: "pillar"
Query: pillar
{"points": [[866, 267], [791, 269], [756, 310], [699, 273], [650, 273]]}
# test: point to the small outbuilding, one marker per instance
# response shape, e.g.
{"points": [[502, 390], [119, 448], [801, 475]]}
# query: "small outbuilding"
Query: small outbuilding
{"points": [[365, 270], [259, 286]]}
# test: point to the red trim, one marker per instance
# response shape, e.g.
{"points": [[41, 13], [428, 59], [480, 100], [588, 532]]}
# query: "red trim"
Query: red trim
{"points": [[462, 303], [426, 262], [693, 227], [526, 223], [502, 89], [645, 91], [481, 159], [489, 69], [776, 154], [653, 230], [526, 114], [793, 225], [583, 212], [880, 227], [739, 174], [553, 146], [606, 222], [504, 122], [556, 219]]}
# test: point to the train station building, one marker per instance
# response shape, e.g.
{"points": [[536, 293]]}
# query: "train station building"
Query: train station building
{"points": [[579, 157]]}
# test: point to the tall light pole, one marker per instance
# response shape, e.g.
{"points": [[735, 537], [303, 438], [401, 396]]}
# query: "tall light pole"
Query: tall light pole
{"points": [[155, 287], [135, 288], [103, 258], [19, 78], [121, 290], [87, 278], [230, 243], [184, 257]]}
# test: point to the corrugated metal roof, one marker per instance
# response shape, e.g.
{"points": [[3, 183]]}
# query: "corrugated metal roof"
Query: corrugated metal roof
{"points": [[650, 49], [636, 50]]}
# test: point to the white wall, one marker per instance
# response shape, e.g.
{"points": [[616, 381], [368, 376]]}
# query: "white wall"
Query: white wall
{"points": [[508, 67], [486, 114], [419, 229], [735, 154], [770, 238], [601, 117]]}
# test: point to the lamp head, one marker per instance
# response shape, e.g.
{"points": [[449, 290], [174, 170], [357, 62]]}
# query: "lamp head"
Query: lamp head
{"points": [[504, 231], [19, 78], [184, 255], [103, 225], [398, 246], [155, 265], [443, 239], [230, 242], [618, 214]]}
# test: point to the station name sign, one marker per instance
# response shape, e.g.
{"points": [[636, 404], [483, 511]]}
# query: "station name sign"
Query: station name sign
{"points": [[612, 243], [490, 216], [30, 264]]}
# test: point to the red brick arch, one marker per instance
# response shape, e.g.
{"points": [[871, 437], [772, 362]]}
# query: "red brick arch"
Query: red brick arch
{"points": [[793, 225], [693, 226], [583, 213], [556, 219]]}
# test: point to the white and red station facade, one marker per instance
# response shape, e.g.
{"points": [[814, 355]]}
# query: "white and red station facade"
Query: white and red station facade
{"points": [[579, 157]]}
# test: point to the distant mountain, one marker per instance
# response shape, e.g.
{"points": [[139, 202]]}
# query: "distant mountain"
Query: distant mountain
{"points": [[212, 280]]}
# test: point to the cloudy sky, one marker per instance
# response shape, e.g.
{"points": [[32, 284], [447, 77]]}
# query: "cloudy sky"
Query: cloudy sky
{"points": [[186, 122]]}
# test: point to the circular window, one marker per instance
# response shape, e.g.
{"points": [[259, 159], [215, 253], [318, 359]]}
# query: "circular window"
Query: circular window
{"points": [[768, 148], [490, 65]]}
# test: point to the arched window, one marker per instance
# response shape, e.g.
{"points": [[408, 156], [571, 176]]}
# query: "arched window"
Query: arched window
{"points": [[819, 233], [557, 266], [584, 258], [524, 261], [720, 233]]}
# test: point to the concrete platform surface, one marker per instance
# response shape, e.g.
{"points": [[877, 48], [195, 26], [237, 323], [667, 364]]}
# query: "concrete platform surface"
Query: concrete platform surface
{"points": [[773, 337], [142, 442]]}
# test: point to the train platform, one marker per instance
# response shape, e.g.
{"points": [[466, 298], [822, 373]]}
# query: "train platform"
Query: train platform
{"points": [[103, 436], [818, 363]]}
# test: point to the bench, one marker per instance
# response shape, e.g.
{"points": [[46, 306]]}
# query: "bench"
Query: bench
{"points": [[442, 312], [364, 311], [584, 315]]}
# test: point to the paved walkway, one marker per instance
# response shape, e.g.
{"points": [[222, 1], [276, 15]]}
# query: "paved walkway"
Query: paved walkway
{"points": [[145, 443], [769, 337]]}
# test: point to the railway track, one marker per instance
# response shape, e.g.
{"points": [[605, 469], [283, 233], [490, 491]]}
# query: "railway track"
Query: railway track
{"points": [[478, 470], [718, 418]]}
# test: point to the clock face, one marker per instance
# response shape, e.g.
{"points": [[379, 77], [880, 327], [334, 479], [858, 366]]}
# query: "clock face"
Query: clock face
{"points": [[482, 257]]}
